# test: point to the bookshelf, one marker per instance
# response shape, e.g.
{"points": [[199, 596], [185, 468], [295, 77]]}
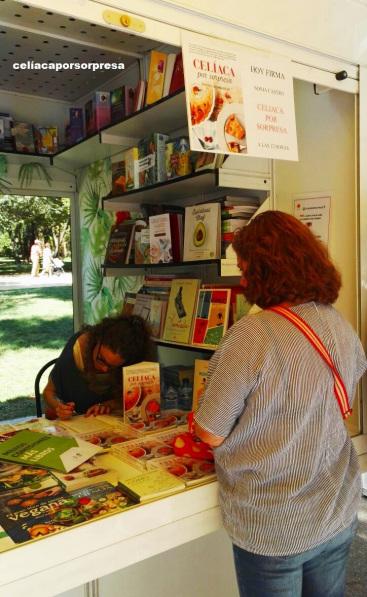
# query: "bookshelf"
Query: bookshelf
{"points": [[198, 183], [156, 267], [168, 114]]}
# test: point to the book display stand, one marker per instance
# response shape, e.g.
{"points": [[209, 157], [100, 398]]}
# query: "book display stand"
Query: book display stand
{"points": [[93, 31]]}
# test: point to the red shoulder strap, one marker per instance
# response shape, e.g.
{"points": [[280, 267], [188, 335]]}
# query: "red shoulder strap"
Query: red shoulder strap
{"points": [[339, 387]]}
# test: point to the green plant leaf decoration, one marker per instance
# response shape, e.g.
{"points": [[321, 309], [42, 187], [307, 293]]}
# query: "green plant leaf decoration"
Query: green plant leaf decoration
{"points": [[28, 171], [4, 186], [94, 280]]}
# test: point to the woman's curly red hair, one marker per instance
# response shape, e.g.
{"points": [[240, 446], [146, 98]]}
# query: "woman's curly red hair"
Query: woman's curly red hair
{"points": [[285, 262]]}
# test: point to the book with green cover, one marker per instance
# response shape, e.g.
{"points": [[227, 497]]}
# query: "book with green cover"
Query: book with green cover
{"points": [[152, 485], [47, 451]]}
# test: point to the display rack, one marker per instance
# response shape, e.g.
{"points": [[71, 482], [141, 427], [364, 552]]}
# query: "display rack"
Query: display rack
{"points": [[153, 267], [197, 183], [168, 114]]}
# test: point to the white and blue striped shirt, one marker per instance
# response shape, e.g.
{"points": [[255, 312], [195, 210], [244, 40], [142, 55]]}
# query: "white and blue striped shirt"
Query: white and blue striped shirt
{"points": [[288, 473]]}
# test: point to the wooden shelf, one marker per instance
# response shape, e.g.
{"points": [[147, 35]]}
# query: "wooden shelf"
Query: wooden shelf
{"points": [[181, 346]]}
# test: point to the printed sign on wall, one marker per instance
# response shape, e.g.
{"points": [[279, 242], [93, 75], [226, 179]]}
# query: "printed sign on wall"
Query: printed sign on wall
{"points": [[239, 101], [314, 211]]}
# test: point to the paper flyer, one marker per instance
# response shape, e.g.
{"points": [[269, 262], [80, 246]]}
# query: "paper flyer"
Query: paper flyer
{"points": [[239, 101]]}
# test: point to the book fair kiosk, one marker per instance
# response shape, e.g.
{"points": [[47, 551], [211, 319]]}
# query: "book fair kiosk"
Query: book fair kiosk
{"points": [[315, 60]]}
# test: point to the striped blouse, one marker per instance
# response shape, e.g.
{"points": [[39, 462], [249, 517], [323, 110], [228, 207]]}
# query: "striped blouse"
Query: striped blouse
{"points": [[288, 474]]}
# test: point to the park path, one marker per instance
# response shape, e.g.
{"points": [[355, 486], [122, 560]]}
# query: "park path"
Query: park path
{"points": [[17, 281]]}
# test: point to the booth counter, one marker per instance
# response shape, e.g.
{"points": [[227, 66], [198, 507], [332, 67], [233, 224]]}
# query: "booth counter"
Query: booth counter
{"points": [[69, 559]]}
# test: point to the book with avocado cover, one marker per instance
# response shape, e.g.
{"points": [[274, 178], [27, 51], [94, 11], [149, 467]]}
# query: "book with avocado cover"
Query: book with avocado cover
{"points": [[202, 232]]}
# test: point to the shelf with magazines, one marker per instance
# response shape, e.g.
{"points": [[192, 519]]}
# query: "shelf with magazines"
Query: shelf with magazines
{"points": [[119, 269], [168, 114], [224, 180]]}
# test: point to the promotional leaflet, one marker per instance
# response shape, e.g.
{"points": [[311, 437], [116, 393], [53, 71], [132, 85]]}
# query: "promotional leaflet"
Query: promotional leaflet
{"points": [[239, 100]]}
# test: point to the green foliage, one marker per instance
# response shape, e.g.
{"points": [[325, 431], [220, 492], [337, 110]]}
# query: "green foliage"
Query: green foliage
{"points": [[5, 244], [25, 218]]}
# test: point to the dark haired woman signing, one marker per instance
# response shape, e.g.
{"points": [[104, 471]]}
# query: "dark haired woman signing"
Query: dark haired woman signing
{"points": [[87, 376], [278, 388]]}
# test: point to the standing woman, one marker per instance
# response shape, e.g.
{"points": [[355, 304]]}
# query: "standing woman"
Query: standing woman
{"points": [[279, 387]]}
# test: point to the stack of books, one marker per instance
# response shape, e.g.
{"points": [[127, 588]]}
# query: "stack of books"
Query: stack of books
{"points": [[236, 212]]}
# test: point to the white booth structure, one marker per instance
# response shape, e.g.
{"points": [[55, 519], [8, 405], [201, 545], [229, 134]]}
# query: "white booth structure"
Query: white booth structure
{"points": [[176, 545]]}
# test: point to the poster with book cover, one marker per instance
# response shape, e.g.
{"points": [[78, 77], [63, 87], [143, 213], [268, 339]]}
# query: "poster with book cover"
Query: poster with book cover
{"points": [[202, 232], [180, 310], [239, 100], [211, 318]]}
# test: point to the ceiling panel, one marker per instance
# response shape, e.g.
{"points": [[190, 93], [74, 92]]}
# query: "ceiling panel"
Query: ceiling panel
{"points": [[28, 33]]}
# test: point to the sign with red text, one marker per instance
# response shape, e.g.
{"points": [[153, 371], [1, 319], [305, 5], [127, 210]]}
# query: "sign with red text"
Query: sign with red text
{"points": [[239, 101]]}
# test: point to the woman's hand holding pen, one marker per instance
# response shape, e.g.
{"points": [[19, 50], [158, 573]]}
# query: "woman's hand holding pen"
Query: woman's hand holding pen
{"points": [[65, 410]]}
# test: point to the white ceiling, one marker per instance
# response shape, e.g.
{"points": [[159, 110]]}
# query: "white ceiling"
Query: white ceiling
{"points": [[28, 33]]}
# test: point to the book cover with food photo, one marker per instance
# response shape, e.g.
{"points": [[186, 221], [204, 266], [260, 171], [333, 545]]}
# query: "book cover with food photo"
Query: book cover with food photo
{"points": [[138, 452], [141, 392], [214, 97], [191, 471]]}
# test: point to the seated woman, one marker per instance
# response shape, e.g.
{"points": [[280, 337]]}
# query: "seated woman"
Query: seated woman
{"points": [[87, 376]]}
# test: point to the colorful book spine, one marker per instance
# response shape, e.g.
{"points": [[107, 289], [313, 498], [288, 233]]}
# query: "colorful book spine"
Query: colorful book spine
{"points": [[102, 109], [118, 111], [157, 69]]}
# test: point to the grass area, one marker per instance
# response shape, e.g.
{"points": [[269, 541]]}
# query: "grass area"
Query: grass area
{"points": [[9, 266], [34, 326]]}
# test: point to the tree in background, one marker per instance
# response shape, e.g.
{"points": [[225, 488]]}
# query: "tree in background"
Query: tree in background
{"points": [[22, 219]]}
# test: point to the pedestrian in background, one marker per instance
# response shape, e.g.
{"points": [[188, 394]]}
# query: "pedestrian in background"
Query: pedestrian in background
{"points": [[36, 252], [46, 260]]}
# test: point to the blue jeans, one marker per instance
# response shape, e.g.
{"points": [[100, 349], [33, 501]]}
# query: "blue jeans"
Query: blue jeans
{"points": [[319, 572]]}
